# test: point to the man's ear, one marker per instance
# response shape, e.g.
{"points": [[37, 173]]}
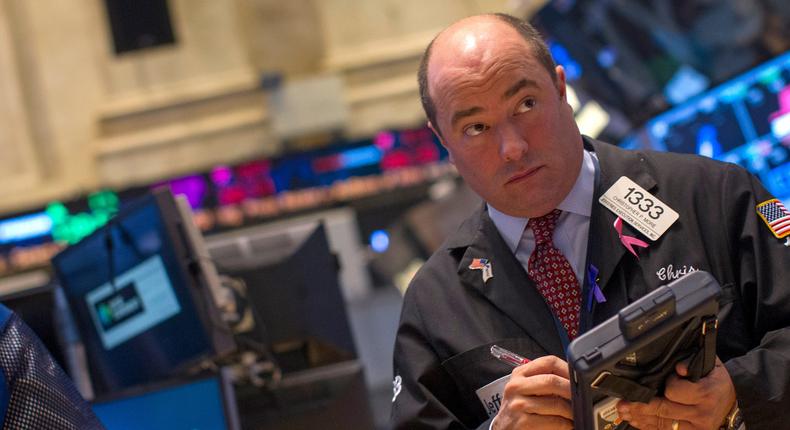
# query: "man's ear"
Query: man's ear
{"points": [[441, 140], [560, 82]]}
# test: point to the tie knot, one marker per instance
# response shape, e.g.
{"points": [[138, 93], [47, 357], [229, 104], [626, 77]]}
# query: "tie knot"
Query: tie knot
{"points": [[543, 226]]}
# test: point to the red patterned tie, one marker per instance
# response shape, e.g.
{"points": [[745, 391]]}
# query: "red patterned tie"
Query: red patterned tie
{"points": [[553, 275]]}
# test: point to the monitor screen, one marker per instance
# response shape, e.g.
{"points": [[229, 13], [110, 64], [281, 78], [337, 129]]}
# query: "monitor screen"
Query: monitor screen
{"points": [[291, 278], [141, 301], [36, 307], [206, 403], [640, 57], [746, 120]]}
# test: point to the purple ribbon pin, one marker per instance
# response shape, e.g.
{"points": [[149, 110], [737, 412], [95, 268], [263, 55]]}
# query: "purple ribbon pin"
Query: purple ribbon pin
{"points": [[595, 289]]}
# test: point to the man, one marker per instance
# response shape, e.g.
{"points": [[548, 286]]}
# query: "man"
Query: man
{"points": [[518, 272]]}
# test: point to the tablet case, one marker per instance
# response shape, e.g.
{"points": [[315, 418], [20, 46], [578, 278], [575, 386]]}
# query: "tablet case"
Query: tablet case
{"points": [[630, 355]]}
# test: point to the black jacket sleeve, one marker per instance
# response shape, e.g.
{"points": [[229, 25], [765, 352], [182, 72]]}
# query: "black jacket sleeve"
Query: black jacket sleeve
{"points": [[762, 305]]}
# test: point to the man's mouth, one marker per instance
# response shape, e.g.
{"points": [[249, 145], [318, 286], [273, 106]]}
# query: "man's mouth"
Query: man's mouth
{"points": [[524, 174]]}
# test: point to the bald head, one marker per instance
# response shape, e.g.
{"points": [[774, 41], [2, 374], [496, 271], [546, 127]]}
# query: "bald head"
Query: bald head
{"points": [[472, 41]]}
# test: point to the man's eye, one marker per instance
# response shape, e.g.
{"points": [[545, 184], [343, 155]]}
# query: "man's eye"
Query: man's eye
{"points": [[475, 129], [526, 105]]}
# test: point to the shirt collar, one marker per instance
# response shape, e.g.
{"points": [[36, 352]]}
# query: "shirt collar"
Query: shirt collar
{"points": [[578, 201]]}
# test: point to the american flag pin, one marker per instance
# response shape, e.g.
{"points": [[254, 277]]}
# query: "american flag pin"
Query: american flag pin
{"points": [[776, 217], [484, 265]]}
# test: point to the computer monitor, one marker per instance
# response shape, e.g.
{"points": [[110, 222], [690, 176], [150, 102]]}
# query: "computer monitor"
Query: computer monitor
{"points": [[205, 403], [292, 286], [142, 293], [746, 120], [640, 57], [36, 307]]}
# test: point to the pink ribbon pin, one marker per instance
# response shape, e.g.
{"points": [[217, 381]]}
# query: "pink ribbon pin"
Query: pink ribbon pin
{"points": [[628, 241]]}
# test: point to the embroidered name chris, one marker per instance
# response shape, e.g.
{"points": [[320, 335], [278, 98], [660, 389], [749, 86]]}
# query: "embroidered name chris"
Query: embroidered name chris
{"points": [[670, 273]]}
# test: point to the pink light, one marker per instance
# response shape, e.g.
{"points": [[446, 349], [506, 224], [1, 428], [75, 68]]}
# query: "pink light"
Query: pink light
{"points": [[784, 103], [784, 99], [395, 160], [780, 120], [384, 141], [426, 153], [221, 175]]}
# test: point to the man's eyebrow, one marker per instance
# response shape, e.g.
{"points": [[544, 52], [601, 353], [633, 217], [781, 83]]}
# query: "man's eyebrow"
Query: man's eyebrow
{"points": [[517, 87], [461, 114]]}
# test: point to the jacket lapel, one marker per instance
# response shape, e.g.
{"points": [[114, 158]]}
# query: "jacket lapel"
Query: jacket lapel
{"points": [[510, 289]]}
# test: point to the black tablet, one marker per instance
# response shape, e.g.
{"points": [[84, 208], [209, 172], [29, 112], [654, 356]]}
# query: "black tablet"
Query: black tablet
{"points": [[630, 355]]}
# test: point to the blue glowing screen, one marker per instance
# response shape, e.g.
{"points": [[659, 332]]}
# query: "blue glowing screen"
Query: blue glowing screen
{"points": [[746, 121], [192, 406]]}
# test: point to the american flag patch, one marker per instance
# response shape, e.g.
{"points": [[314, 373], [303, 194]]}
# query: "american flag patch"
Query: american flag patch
{"points": [[776, 217], [484, 266], [478, 263]]}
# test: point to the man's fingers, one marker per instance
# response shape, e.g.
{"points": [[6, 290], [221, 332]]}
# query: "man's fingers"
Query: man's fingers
{"points": [[538, 385], [552, 422], [543, 365], [657, 408], [682, 367], [537, 396], [662, 425], [544, 376], [684, 391], [543, 405], [544, 422], [697, 405]]}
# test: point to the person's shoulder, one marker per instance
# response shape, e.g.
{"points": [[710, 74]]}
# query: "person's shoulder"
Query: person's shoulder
{"points": [[681, 175], [690, 178], [656, 161], [666, 157], [674, 158], [682, 166]]}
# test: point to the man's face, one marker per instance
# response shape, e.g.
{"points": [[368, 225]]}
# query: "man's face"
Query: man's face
{"points": [[505, 122]]}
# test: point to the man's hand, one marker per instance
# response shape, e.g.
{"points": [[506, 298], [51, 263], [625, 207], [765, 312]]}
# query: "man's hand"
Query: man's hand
{"points": [[700, 405], [538, 396]]}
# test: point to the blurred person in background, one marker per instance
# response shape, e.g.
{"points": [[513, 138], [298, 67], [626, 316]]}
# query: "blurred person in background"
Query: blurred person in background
{"points": [[35, 393]]}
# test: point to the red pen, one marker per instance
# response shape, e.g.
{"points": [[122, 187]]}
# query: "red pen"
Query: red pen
{"points": [[508, 357]]}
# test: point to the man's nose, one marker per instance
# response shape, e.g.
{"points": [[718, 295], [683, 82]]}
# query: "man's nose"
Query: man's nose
{"points": [[512, 144]]}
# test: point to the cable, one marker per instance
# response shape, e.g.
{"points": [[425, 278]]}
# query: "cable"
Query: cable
{"points": [[108, 244]]}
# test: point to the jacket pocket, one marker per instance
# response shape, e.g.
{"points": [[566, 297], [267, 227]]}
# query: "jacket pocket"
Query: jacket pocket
{"points": [[476, 368]]}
